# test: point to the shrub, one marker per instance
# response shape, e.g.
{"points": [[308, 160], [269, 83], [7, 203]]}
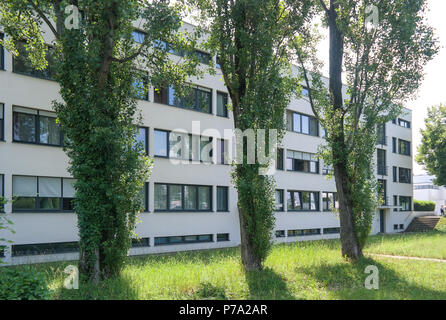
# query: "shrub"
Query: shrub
{"points": [[16, 284], [424, 205]]}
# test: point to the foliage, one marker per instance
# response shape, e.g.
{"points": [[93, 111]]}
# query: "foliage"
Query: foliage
{"points": [[251, 39], [5, 225], [95, 68], [301, 270], [383, 67], [432, 150], [17, 284], [420, 205]]}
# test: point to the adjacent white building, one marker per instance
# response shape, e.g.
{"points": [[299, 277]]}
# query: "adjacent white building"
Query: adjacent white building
{"points": [[424, 189], [189, 205]]}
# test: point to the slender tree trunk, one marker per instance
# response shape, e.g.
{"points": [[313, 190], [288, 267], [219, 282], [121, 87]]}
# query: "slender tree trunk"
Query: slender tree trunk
{"points": [[250, 260], [351, 248]]}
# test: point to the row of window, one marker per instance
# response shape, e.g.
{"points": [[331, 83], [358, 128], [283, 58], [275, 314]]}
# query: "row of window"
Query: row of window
{"points": [[306, 201], [306, 232], [302, 123], [402, 123], [73, 246]]}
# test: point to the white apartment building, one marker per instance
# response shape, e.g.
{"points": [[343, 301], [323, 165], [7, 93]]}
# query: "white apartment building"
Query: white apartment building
{"points": [[424, 189], [189, 206]]}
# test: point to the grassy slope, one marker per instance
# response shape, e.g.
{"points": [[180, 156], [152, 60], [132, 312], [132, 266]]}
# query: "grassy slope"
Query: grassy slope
{"points": [[431, 244], [305, 270]]}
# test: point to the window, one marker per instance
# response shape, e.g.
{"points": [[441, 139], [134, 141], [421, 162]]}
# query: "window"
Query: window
{"points": [[303, 201], [22, 64], [302, 124], [327, 169], [144, 196], [187, 147], [218, 62], [2, 122], [140, 86], [222, 104], [143, 138], [401, 226], [176, 197], [395, 203], [141, 243], [2, 55], [405, 175], [44, 248], [222, 198], [395, 227], [303, 232], [381, 134], [394, 145], [302, 162], [329, 201], [404, 147], [279, 159], [222, 237], [280, 234], [35, 126], [381, 162], [160, 241], [332, 230], [195, 98], [395, 174], [405, 203], [394, 121], [203, 57], [42, 194], [305, 92], [382, 190], [404, 123], [279, 200]]}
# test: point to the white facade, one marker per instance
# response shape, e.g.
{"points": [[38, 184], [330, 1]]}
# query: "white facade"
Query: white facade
{"points": [[424, 189], [53, 226]]}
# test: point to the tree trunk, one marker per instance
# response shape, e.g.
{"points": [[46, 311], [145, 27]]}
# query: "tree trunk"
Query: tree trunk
{"points": [[250, 261], [351, 248]]}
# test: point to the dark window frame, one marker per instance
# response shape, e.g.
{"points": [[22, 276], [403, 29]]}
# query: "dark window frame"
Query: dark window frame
{"points": [[331, 230], [282, 202], [325, 203], [404, 175], [183, 198], [402, 209], [2, 53], [300, 192], [295, 161], [36, 127], [183, 239], [225, 106], [2, 122], [226, 208], [161, 96], [407, 145], [404, 123], [292, 129], [40, 74], [37, 198], [223, 237], [303, 232]]}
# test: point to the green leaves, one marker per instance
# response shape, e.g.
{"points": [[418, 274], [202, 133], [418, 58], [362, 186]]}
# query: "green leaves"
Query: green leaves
{"points": [[432, 151]]}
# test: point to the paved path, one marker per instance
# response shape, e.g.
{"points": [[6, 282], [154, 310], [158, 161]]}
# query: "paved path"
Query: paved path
{"points": [[405, 257]]}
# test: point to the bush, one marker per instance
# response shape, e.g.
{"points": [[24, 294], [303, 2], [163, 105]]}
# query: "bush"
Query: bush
{"points": [[16, 284], [424, 205]]}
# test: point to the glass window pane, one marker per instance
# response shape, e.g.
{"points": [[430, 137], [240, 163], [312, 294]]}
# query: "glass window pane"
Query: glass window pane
{"points": [[50, 187], [190, 197], [204, 101], [24, 127], [49, 131], [222, 198], [68, 188], [24, 186], [222, 100], [297, 201], [204, 198], [138, 36], [48, 203], [160, 197], [175, 145], [160, 143], [206, 149], [296, 122], [305, 124], [175, 197]]}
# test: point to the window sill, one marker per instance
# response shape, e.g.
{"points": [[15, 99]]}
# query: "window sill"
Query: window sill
{"points": [[303, 211], [305, 134], [313, 173], [183, 211], [42, 211]]}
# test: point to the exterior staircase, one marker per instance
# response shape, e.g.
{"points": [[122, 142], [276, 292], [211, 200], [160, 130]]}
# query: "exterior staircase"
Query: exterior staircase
{"points": [[423, 224]]}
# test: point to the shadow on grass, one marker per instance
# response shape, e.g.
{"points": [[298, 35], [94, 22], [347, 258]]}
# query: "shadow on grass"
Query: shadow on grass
{"points": [[267, 285], [347, 281]]}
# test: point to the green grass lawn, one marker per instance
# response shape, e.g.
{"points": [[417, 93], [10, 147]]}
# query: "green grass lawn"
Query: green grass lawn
{"points": [[304, 270], [428, 244]]}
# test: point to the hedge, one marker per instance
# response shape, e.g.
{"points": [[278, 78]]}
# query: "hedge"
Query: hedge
{"points": [[424, 205]]}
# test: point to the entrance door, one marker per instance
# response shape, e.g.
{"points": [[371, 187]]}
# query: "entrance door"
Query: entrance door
{"points": [[382, 221]]}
